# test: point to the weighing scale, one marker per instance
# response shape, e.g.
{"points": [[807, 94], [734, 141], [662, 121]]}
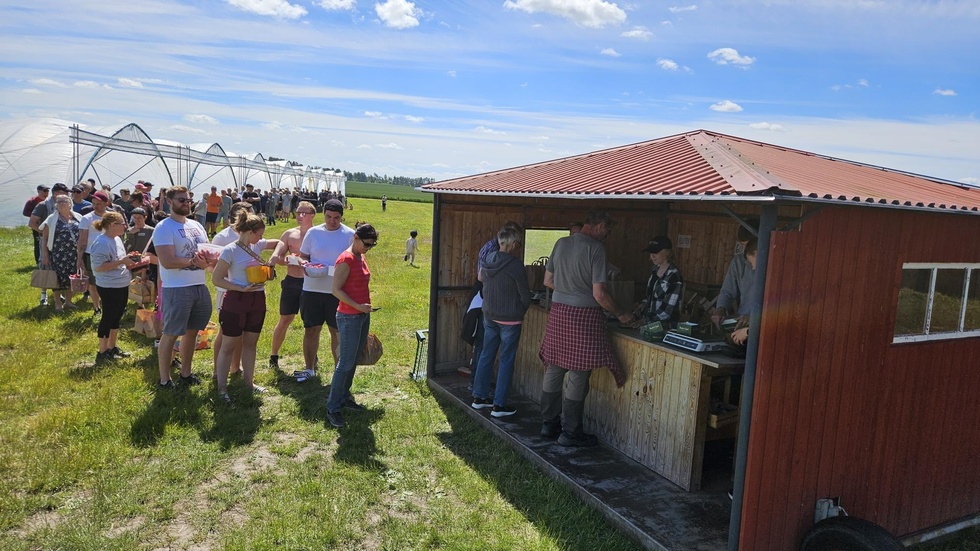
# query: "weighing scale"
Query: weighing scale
{"points": [[694, 344]]}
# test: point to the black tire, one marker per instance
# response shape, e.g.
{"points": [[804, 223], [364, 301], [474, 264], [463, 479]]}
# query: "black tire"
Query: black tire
{"points": [[849, 534]]}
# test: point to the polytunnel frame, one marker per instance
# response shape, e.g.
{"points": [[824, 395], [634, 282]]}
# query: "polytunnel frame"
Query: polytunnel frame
{"points": [[208, 151], [104, 144]]}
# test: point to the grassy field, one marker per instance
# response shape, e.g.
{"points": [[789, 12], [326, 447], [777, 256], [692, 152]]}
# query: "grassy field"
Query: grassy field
{"points": [[394, 193], [94, 458]]}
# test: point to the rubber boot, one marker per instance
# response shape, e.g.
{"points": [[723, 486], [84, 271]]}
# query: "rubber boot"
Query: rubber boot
{"points": [[550, 414], [572, 434]]}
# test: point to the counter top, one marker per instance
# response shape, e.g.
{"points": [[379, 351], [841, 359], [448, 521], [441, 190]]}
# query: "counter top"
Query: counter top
{"points": [[714, 359]]}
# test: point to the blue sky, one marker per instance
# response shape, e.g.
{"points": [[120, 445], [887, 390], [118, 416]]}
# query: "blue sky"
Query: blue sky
{"points": [[449, 88]]}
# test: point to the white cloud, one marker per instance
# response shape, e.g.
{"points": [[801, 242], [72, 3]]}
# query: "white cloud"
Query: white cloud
{"points": [[486, 130], [944, 92], [375, 115], [275, 8], [130, 83], [767, 126], [188, 129], [671, 65], [411, 118], [679, 9], [863, 83], [337, 4], [726, 106], [398, 14], [451, 73], [638, 33], [31, 91], [389, 146], [46, 82], [587, 13], [610, 52], [730, 56], [86, 84], [201, 119]]}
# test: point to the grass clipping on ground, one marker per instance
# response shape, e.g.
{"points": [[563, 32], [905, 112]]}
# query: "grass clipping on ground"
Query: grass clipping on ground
{"points": [[92, 457]]}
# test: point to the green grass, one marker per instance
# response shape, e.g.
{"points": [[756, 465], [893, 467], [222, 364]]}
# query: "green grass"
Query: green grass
{"points": [[93, 458], [394, 193]]}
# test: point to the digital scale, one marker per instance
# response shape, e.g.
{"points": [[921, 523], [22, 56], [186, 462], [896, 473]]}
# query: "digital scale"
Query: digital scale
{"points": [[694, 344]]}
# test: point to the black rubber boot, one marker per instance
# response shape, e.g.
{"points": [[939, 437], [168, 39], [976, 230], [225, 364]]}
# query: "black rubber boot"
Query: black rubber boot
{"points": [[550, 414], [572, 434]]}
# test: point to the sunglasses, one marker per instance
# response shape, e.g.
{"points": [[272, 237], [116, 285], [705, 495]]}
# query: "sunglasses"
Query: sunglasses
{"points": [[369, 245], [304, 212], [181, 200]]}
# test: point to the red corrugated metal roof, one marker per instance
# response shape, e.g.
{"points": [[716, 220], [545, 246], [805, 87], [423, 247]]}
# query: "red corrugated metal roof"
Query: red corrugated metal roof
{"points": [[704, 164]]}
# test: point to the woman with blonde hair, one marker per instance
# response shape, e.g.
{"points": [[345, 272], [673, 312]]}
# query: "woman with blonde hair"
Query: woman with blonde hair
{"points": [[59, 240], [243, 309], [111, 266]]}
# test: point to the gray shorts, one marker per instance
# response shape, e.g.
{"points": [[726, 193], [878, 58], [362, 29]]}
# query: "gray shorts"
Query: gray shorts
{"points": [[185, 308]]}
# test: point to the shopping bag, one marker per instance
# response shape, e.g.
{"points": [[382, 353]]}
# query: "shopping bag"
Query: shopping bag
{"points": [[43, 278], [371, 352], [79, 282], [147, 323], [204, 337], [142, 291]]}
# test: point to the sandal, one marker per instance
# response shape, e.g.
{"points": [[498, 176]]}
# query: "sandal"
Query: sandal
{"points": [[256, 389], [70, 306], [224, 396]]}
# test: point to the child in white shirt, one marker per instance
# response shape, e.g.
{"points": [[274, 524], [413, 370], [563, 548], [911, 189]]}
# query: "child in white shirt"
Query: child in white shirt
{"points": [[411, 247]]}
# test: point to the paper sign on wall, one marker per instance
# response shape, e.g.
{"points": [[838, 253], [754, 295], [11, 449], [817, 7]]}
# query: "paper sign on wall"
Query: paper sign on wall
{"points": [[683, 241]]}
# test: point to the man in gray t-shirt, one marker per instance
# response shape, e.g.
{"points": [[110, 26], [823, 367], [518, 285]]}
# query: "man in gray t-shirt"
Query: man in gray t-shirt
{"points": [[575, 340]]}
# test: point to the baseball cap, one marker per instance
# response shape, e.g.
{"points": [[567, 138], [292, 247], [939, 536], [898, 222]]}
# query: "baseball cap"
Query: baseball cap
{"points": [[658, 244], [43, 187], [137, 210], [77, 189], [101, 196], [59, 187], [333, 205]]}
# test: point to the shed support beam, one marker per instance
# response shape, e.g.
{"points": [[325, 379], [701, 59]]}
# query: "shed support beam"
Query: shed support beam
{"points": [[434, 287], [766, 226]]}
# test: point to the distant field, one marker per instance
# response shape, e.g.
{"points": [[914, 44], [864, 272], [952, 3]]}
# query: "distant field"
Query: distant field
{"points": [[395, 193]]}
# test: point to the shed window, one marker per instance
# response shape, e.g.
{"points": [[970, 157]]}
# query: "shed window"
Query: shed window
{"points": [[938, 301]]}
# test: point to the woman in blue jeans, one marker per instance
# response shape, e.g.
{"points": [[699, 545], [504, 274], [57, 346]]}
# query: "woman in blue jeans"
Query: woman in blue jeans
{"points": [[351, 286], [506, 298]]}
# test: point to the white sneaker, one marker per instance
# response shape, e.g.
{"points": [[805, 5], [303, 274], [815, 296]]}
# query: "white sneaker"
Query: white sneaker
{"points": [[304, 374]]}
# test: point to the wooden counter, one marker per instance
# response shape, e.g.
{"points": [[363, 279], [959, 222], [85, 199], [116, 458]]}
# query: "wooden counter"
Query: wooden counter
{"points": [[660, 417]]}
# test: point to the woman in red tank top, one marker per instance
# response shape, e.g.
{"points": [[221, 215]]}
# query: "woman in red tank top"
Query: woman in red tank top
{"points": [[351, 286]]}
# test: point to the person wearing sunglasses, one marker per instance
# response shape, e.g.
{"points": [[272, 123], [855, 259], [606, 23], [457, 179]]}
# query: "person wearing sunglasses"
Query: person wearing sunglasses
{"points": [[351, 286], [184, 298]]}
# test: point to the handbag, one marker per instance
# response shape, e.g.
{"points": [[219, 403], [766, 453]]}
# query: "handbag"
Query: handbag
{"points": [[269, 268], [372, 351], [43, 278], [79, 282]]}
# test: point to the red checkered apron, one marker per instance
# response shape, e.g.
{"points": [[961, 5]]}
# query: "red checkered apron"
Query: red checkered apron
{"points": [[575, 339]]}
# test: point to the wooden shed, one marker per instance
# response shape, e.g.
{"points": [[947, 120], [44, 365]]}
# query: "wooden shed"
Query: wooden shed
{"points": [[860, 383]]}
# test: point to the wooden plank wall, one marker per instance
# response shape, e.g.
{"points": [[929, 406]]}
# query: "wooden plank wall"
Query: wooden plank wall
{"points": [[839, 409]]}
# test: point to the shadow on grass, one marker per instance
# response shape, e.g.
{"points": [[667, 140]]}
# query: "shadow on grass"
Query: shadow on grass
{"points": [[554, 509], [310, 396], [356, 444], [235, 424], [177, 406]]}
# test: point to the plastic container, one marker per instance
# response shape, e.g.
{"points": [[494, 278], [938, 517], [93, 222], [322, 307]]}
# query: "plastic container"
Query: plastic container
{"points": [[318, 270], [257, 274]]}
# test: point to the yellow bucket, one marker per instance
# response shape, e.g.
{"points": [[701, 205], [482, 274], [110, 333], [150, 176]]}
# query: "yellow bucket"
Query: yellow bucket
{"points": [[257, 274]]}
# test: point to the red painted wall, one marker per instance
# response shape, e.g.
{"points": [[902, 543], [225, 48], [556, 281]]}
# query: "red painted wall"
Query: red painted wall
{"points": [[893, 429]]}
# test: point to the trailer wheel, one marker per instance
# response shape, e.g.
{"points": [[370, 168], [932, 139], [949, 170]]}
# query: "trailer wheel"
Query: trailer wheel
{"points": [[849, 534]]}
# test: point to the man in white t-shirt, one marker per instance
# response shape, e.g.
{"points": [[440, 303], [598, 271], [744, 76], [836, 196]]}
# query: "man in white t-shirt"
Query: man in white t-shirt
{"points": [[86, 236], [184, 298], [322, 245]]}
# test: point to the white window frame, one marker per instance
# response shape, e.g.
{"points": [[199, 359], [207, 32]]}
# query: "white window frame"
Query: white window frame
{"points": [[972, 271]]}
